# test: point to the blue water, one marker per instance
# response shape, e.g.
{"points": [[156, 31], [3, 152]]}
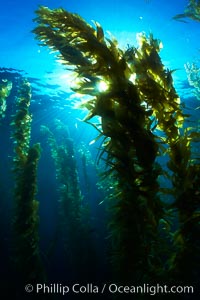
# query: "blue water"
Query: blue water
{"points": [[53, 100]]}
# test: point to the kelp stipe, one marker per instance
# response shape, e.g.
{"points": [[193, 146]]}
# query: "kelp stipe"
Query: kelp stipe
{"points": [[141, 118], [74, 217], [26, 256]]}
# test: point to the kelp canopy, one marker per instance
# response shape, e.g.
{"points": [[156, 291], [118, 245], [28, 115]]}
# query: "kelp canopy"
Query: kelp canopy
{"points": [[140, 119]]}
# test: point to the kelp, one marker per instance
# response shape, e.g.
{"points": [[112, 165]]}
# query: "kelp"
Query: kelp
{"points": [[141, 118], [185, 168], [26, 256], [74, 218], [5, 89], [192, 11], [193, 75]]}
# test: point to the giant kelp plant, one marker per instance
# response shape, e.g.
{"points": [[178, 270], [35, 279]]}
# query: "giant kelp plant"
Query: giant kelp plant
{"points": [[5, 89], [141, 119], [27, 264], [74, 223]]}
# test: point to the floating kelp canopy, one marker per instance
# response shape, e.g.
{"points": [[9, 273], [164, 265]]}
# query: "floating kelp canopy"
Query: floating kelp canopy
{"points": [[141, 119]]}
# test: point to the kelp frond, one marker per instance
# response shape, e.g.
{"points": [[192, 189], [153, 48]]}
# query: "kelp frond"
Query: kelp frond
{"points": [[79, 43], [192, 11]]}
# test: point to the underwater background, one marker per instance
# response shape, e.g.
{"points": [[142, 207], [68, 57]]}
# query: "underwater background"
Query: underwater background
{"points": [[99, 168]]}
